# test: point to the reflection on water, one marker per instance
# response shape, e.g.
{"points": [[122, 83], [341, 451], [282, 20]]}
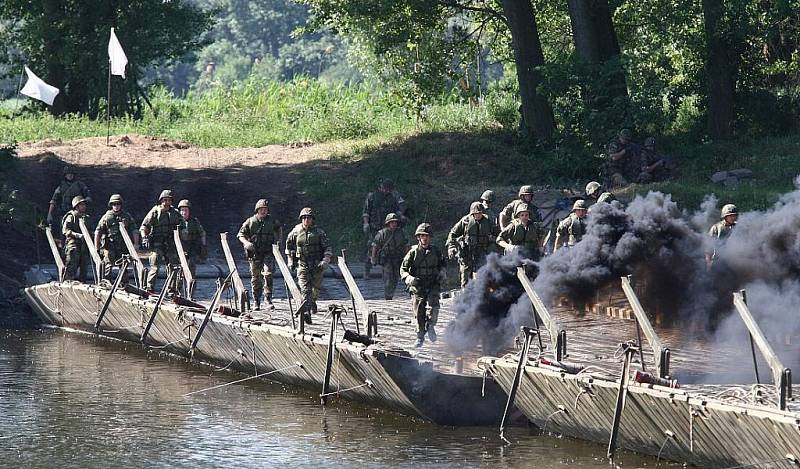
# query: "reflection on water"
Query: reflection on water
{"points": [[78, 400]]}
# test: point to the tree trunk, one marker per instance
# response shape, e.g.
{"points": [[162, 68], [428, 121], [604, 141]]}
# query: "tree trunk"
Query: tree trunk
{"points": [[537, 115], [54, 69], [722, 63]]}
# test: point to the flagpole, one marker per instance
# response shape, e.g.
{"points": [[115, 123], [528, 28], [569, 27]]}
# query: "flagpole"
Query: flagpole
{"points": [[108, 106]]}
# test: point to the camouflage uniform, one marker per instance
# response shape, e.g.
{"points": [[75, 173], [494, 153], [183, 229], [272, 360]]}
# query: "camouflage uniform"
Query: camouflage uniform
{"points": [[377, 205], [527, 237], [424, 266], [508, 214], [263, 234], [63, 195], [161, 222], [571, 230], [310, 247], [192, 233], [471, 239], [75, 249], [112, 245], [390, 246], [606, 198], [625, 169], [594, 189]]}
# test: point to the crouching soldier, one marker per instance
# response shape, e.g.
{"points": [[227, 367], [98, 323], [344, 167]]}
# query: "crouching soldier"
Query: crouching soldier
{"points": [[107, 237], [308, 247], [388, 248], [423, 270], [257, 234], [157, 235], [75, 249], [572, 228], [469, 240]]}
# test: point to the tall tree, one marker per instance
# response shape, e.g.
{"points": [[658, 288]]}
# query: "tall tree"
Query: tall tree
{"points": [[723, 54], [66, 43]]}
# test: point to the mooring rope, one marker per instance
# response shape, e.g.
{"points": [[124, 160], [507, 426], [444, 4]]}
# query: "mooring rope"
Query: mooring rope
{"points": [[158, 347], [296, 365], [547, 420], [366, 383], [669, 436]]}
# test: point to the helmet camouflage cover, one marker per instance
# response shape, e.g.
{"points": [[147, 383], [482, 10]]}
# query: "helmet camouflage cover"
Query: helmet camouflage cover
{"points": [[476, 207], [306, 212], [579, 204], [114, 198], [728, 209], [184, 203], [488, 196], [626, 134], [77, 200], [593, 187], [525, 190], [521, 208], [390, 218], [262, 203], [69, 169], [423, 228], [166, 193]]}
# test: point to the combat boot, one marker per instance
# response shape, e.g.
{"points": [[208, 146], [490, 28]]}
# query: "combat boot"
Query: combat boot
{"points": [[420, 340], [431, 333], [257, 303], [270, 306]]}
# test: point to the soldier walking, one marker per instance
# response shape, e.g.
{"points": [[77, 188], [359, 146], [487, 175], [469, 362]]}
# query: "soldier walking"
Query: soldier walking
{"points": [[69, 188], [377, 205], [157, 235], [423, 271], [469, 241], [525, 197], [720, 231], [487, 199], [572, 228], [75, 249], [107, 238], [257, 234], [388, 249], [193, 238], [594, 191], [308, 248], [523, 236]]}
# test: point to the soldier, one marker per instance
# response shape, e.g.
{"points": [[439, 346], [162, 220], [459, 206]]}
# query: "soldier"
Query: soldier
{"points": [[423, 271], [487, 198], [307, 246], [257, 234], [595, 192], [193, 238], [107, 236], [721, 230], [469, 240], [623, 158], [525, 197], [377, 205], [523, 235], [572, 228], [156, 231], [68, 189], [653, 166], [75, 249], [388, 249]]}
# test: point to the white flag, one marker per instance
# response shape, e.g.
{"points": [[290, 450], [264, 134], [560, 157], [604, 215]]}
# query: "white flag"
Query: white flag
{"points": [[36, 88], [116, 56]]}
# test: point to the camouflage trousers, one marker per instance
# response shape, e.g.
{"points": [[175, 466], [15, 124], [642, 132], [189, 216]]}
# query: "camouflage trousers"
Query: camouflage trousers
{"points": [[468, 268], [76, 265], [309, 279], [110, 256], [367, 263], [421, 298], [162, 254], [391, 275], [262, 267]]}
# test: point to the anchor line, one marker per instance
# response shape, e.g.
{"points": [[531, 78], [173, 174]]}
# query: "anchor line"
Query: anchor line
{"points": [[158, 347], [661, 449], [244, 379], [547, 420], [366, 383]]}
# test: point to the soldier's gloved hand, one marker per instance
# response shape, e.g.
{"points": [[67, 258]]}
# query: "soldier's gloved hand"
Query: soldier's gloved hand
{"points": [[365, 228], [451, 253], [412, 281], [324, 262], [373, 260], [248, 246], [146, 242], [290, 262], [77, 235]]}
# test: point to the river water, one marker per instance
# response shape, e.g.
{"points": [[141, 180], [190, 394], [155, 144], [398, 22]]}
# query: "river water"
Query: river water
{"points": [[76, 400]]}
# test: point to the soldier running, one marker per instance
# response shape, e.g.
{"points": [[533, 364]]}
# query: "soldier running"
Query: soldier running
{"points": [[157, 235], [572, 228], [523, 236], [388, 249], [193, 238], [75, 249], [469, 241], [308, 248], [257, 234], [423, 271], [107, 238], [377, 205], [525, 197]]}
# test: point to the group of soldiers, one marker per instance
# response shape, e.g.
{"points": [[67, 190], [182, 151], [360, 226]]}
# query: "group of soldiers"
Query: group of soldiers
{"points": [[629, 161], [518, 228]]}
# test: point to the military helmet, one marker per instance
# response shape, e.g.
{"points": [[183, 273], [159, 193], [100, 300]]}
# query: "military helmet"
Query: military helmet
{"points": [[423, 228], [114, 198], [525, 190], [166, 193], [306, 212], [593, 187], [488, 196], [184, 203], [626, 134], [475, 207], [650, 143], [579, 204], [387, 184], [69, 169], [728, 209], [521, 208], [262, 203], [390, 218], [78, 199]]}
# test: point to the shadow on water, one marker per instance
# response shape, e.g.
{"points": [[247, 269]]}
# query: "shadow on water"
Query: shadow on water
{"points": [[91, 402]]}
